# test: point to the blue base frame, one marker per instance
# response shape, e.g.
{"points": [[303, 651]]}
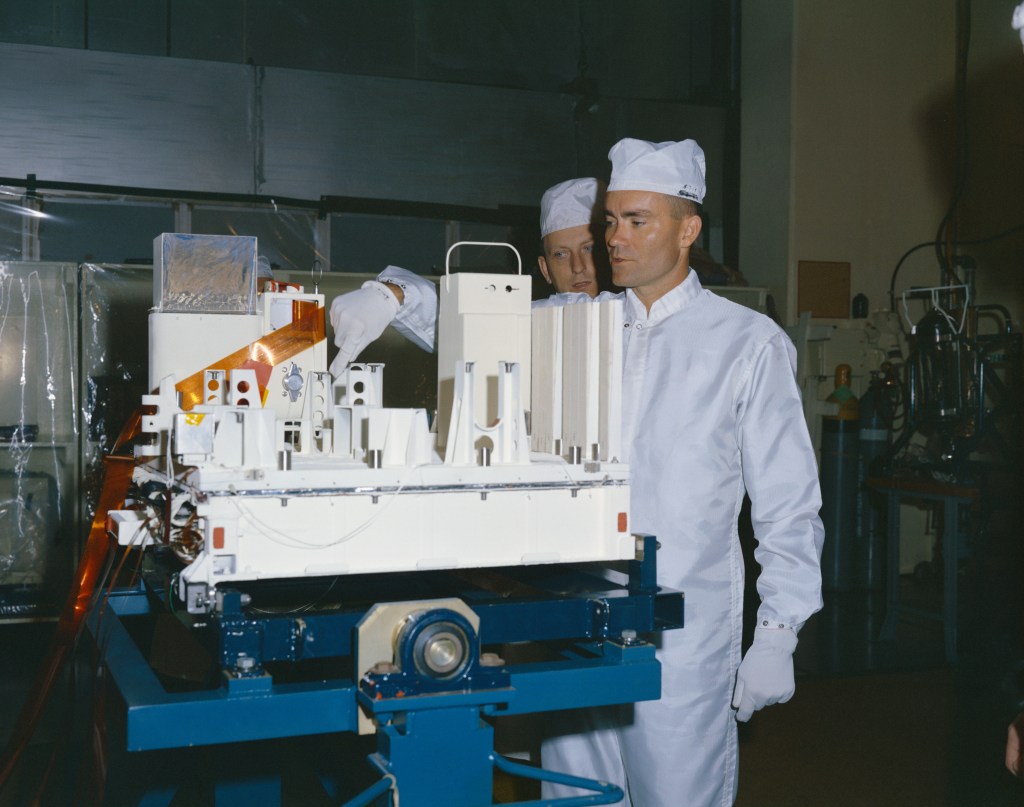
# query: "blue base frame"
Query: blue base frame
{"points": [[419, 734]]}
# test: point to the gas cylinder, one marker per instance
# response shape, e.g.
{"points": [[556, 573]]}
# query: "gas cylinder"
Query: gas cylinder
{"points": [[838, 474], [874, 435]]}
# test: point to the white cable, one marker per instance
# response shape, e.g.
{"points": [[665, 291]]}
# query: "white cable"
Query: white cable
{"points": [[295, 543], [934, 299], [169, 474], [906, 311], [963, 312], [941, 310]]}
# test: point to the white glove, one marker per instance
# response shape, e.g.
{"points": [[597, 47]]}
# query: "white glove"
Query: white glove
{"points": [[358, 318], [765, 675]]}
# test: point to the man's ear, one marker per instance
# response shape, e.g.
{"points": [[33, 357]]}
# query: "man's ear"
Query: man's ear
{"points": [[689, 230], [542, 264]]}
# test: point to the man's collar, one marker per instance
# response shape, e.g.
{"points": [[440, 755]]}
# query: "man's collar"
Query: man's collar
{"points": [[669, 303]]}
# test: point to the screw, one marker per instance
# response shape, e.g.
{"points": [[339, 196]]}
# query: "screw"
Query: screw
{"points": [[245, 663]]}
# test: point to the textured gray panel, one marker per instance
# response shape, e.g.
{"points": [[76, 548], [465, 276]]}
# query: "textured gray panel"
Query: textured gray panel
{"points": [[128, 26], [349, 36], [200, 29], [677, 50], [414, 141], [58, 22], [83, 116], [497, 43], [80, 116], [643, 55]]}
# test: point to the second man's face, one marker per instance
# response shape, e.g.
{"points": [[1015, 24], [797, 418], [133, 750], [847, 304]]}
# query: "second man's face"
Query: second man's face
{"points": [[568, 260]]}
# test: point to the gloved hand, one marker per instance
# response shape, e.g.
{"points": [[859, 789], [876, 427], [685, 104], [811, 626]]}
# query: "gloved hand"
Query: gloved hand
{"points": [[765, 675], [358, 318]]}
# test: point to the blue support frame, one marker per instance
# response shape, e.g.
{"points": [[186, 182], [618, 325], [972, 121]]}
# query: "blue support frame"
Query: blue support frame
{"points": [[520, 604], [419, 730], [244, 708]]}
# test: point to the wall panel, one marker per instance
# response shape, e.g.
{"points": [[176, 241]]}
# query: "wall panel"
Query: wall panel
{"points": [[86, 116], [416, 141]]}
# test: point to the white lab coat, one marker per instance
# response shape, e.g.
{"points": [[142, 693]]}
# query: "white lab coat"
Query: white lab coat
{"points": [[416, 319], [710, 410]]}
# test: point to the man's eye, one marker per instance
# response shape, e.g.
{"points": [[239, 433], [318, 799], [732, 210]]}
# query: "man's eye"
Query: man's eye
{"points": [[560, 255], [608, 223], [639, 222], [589, 248]]}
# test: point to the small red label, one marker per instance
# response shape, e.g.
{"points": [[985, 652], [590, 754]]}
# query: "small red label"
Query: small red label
{"points": [[622, 522], [218, 535]]}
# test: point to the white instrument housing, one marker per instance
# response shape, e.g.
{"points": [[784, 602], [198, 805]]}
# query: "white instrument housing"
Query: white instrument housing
{"points": [[321, 479]]}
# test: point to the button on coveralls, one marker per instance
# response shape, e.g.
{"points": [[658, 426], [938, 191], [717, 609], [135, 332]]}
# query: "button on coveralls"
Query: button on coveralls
{"points": [[710, 409]]}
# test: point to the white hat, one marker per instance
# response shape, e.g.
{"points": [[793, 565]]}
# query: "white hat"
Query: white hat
{"points": [[672, 168], [569, 204]]}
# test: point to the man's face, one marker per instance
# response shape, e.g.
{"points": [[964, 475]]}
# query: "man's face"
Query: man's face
{"points": [[647, 246], [568, 260]]}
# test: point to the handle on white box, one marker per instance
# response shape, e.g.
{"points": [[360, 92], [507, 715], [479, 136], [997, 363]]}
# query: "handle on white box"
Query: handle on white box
{"points": [[448, 255]]}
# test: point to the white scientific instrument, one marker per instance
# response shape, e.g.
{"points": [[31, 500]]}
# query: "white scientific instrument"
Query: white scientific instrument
{"points": [[263, 466]]}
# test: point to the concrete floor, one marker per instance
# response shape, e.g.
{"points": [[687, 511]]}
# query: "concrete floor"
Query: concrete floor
{"points": [[873, 722], [882, 723]]}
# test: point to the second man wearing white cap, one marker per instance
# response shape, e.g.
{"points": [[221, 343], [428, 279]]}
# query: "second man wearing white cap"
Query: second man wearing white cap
{"points": [[571, 223]]}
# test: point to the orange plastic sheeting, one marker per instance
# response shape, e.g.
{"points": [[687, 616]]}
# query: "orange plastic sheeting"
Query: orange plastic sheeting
{"points": [[304, 331]]}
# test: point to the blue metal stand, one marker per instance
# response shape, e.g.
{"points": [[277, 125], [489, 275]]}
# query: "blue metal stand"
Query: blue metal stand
{"points": [[434, 738], [955, 546]]}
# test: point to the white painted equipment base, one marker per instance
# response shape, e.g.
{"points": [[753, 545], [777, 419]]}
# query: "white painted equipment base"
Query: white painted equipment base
{"points": [[433, 517]]}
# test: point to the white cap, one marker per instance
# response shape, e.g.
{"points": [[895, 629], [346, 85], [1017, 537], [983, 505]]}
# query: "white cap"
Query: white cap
{"points": [[570, 204], [673, 168]]}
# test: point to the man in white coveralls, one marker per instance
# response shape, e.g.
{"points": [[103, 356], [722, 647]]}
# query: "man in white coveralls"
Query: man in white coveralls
{"points": [[710, 410]]}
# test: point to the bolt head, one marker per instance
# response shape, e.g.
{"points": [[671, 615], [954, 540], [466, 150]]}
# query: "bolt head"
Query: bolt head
{"points": [[245, 663]]}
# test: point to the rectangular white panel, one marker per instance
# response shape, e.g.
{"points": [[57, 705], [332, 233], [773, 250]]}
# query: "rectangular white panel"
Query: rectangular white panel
{"points": [[483, 319], [546, 385], [581, 378]]}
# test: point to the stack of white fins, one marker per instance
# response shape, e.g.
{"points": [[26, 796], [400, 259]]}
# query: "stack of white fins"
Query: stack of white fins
{"points": [[577, 381]]}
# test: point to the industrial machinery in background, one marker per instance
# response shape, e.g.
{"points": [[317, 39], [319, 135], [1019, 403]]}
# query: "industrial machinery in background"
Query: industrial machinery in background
{"points": [[935, 400], [318, 563], [962, 386]]}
